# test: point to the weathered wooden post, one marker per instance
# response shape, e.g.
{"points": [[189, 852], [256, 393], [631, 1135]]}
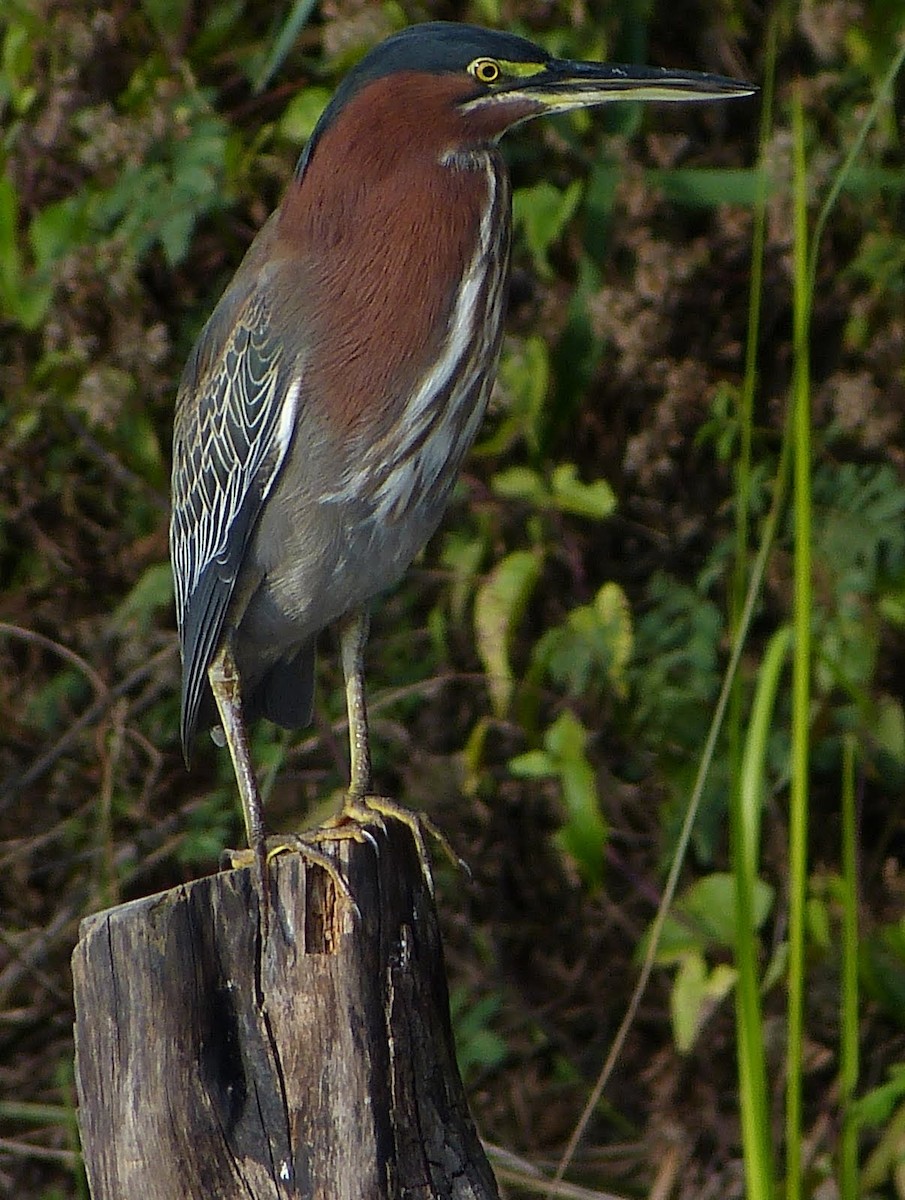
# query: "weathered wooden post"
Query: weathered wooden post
{"points": [[320, 1064]]}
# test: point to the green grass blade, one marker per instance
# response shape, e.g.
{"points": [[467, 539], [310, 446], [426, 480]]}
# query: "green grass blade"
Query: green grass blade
{"points": [[752, 1068], [801, 661], [292, 27], [747, 785], [848, 1003], [847, 169], [753, 771]]}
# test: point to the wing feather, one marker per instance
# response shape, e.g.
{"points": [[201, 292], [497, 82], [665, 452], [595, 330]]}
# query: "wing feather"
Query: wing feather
{"points": [[235, 413]]}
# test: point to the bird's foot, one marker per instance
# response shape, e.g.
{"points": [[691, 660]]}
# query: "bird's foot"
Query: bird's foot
{"points": [[254, 857], [307, 845], [360, 811]]}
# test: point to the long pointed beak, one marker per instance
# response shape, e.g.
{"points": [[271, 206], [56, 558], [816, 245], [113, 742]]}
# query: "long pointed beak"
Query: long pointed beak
{"points": [[564, 85], [584, 83]]}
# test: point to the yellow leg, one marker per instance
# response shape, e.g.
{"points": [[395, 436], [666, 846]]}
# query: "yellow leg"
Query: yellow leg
{"points": [[361, 804], [353, 637], [226, 686]]}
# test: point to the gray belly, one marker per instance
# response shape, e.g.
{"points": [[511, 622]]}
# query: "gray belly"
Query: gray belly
{"points": [[318, 555]]}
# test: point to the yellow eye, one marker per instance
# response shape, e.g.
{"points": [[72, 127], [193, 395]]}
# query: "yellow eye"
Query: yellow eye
{"points": [[485, 70]]}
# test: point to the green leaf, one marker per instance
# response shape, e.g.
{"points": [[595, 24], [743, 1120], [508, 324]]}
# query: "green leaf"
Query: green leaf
{"points": [[472, 757], [818, 922], [685, 1000], [675, 668], [477, 1045], [533, 764], [499, 604], [592, 648], [542, 213], [521, 483], [302, 114], [565, 492], [57, 229], [152, 593], [596, 500], [889, 728], [23, 298], [710, 906], [17, 61], [703, 187], [877, 1106], [695, 993], [167, 16], [705, 916], [615, 615], [523, 380], [219, 28], [462, 555], [53, 704], [584, 833], [180, 181]]}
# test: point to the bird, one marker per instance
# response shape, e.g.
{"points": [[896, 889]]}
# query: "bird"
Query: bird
{"points": [[324, 413]]}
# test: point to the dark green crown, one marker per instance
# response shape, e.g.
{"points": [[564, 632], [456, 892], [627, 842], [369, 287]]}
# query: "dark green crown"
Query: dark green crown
{"points": [[435, 46]]}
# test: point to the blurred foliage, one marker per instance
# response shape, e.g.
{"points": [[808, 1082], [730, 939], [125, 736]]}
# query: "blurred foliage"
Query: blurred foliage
{"points": [[543, 680], [702, 924], [478, 1046]]}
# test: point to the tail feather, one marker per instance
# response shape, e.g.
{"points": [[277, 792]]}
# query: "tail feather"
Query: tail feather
{"points": [[286, 693]]}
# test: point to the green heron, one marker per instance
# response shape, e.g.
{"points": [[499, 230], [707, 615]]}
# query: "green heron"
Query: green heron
{"points": [[324, 413]]}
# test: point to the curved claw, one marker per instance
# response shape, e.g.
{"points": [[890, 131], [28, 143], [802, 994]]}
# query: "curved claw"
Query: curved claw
{"points": [[371, 809], [305, 844]]}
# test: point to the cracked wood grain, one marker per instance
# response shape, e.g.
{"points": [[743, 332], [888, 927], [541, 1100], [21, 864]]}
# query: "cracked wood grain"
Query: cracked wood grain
{"points": [[319, 1064]]}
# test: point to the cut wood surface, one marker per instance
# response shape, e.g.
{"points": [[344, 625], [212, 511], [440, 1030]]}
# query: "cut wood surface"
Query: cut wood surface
{"points": [[318, 1063]]}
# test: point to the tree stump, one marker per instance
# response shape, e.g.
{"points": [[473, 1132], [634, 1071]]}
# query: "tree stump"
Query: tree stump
{"points": [[319, 1064]]}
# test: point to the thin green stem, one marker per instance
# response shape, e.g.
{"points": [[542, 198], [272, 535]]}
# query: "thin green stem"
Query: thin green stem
{"points": [[801, 663], [283, 43], [884, 91], [753, 774], [752, 1073], [755, 295], [848, 1005]]}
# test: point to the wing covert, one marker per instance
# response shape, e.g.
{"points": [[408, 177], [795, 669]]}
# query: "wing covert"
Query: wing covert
{"points": [[235, 414]]}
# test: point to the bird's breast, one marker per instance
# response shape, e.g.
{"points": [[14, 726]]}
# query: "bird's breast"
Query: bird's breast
{"points": [[411, 374]]}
